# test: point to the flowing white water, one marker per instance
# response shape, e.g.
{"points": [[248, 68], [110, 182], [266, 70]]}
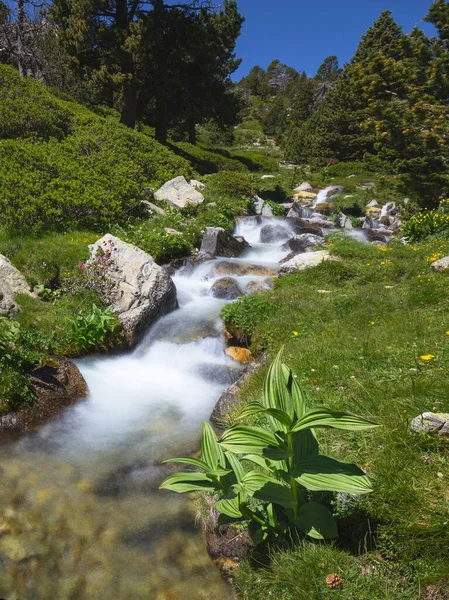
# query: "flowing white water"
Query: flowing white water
{"points": [[143, 406], [322, 195]]}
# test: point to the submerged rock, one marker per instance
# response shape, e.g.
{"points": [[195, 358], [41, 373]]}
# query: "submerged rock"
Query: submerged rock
{"points": [[274, 232], [226, 288], [142, 291], [179, 193], [57, 385], [228, 267], [429, 422], [12, 282], [300, 262]]}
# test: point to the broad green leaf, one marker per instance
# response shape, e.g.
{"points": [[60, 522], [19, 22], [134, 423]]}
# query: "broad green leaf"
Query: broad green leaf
{"points": [[235, 465], [189, 460], [256, 408], [321, 416], [265, 488], [258, 460], [226, 520], [305, 445], [244, 439], [321, 473], [218, 472], [210, 449], [188, 482], [316, 521], [276, 454], [276, 393], [230, 507]]}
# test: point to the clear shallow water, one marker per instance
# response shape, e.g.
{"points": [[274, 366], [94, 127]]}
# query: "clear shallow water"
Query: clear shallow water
{"points": [[82, 514]]}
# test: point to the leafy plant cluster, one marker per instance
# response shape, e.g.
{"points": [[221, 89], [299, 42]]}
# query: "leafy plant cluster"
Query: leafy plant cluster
{"points": [[205, 160], [428, 223], [277, 491], [91, 330], [233, 184], [241, 317], [20, 351]]}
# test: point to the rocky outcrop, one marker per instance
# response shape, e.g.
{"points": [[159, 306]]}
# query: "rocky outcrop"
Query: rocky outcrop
{"points": [[333, 191], [241, 355], [217, 242], [305, 242], [300, 262], [442, 264], [198, 185], [12, 282], [179, 193], [433, 423], [344, 221], [153, 209], [226, 288], [260, 207], [304, 187], [141, 290], [57, 385], [304, 198], [274, 232], [259, 286]]}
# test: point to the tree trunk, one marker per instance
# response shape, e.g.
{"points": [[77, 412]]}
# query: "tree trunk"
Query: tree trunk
{"points": [[161, 124], [128, 114], [192, 132]]}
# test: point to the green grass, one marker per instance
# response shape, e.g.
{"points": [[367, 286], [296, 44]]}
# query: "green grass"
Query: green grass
{"points": [[358, 348]]}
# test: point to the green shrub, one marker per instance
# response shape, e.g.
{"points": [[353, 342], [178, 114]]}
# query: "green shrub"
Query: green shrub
{"points": [[242, 316], [232, 184], [90, 178], [207, 160], [427, 223], [27, 109]]}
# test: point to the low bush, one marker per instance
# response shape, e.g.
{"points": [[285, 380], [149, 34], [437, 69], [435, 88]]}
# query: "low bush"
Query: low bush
{"points": [[242, 317], [91, 330], [233, 184], [428, 223], [206, 160]]}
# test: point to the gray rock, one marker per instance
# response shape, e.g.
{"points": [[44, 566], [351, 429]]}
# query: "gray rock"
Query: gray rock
{"points": [[305, 242], [334, 190], [226, 288], [268, 176], [442, 264], [299, 211], [152, 208], [259, 286], [257, 205], [274, 232], [267, 210], [373, 204], [12, 282], [429, 422], [304, 187], [198, 185], [300, 262], [217, 242], [178, 193], [343, 221], [230, 398], [142, 291]]}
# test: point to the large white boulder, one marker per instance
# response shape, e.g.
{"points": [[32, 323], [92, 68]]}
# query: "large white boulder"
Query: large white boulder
{"points": [[12, 282], [141, 290], [179, 193], [300, 262]]}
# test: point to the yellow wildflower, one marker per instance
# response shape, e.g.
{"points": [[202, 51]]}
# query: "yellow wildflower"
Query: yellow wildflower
{"points": [[427, 357]]}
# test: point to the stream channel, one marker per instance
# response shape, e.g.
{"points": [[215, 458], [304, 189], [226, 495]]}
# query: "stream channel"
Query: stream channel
{"points": [[83, 516]]}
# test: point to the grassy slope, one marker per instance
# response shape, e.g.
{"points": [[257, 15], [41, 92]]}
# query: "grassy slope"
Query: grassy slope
{"points": [[358, 348]]}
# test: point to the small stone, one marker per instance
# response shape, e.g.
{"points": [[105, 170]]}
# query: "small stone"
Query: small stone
{"points": [[442, 264], [432, 423], [241, 355]]}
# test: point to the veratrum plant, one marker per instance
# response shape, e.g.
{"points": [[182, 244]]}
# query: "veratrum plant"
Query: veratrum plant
{"points": [[276, 495], [88, 331]]}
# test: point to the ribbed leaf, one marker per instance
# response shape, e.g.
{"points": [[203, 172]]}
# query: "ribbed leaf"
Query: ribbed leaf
{"points": [[265, 488], [230, 507], [298, 396], [244, 439], [188, 482], [235, 465], [321, 473], [305, 445], [218, 472], [322, 416], [258, 460], [210, 449], [316, 521], [189, 460], [276, 454], [275, 392], [256, 408]]}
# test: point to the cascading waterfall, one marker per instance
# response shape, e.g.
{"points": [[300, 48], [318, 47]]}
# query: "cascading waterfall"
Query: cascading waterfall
{"points": [[101, 459]]}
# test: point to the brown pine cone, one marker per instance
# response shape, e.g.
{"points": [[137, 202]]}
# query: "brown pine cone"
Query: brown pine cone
{"points": [[333, 581]]}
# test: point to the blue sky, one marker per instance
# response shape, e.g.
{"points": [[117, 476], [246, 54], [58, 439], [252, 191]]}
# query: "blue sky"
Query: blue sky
{"points": [[301, 33]]}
